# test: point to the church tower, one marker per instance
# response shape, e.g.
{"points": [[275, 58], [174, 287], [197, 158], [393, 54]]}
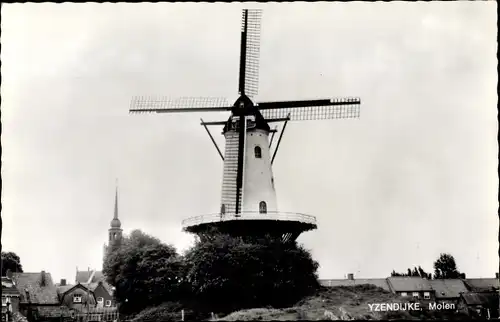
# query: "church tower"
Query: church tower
{"points": [[115, 231]]}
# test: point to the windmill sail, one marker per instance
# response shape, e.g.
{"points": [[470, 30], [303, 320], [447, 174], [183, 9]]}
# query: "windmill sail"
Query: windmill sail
{"points": [[250, 52]]}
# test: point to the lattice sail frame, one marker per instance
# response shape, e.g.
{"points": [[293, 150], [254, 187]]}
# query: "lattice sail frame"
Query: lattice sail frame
{"points": [[169, 104], [350, 108], [254, 18]]}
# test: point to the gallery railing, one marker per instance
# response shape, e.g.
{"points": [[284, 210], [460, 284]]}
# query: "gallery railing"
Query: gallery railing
{"points": [[277, 215]]}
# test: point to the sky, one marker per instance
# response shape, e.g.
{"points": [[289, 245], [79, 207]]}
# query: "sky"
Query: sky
{"points": [[413, 177]]}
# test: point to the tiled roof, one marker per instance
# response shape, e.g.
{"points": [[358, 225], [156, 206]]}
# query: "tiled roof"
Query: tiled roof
{"points": [[38, 294], [61, 290], [93, 286], [489, 299], [8, 287], [380, 282], [409, 284], [83, 276], [448, 288], [482, 284]]}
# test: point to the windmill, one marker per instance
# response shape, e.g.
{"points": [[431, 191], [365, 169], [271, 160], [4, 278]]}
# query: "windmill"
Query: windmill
{"points": [[248, 201]]}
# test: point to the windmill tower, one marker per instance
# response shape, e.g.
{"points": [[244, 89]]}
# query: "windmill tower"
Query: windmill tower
{"points": [[248, 198]]}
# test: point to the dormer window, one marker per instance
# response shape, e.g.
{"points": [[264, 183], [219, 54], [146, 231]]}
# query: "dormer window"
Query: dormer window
{"points": [[262, 207], [258, 152]]}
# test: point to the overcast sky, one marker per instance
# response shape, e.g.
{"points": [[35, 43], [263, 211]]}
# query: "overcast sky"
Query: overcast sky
{"points": [[415, 176]]}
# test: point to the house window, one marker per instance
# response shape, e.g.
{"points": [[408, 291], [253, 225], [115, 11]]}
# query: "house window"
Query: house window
{"points": [[108, 303], [100, 300], [427, 295], [415, 295], [77, 298], [404, 294], [262, 207], [258, 152]]}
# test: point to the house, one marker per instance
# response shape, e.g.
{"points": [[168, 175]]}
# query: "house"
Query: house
{"points": [[448, 290], [38, 295], [10, 297], [96, 282], [103, 293], [351, 281], [482, 284], [482, 304], [76, 297], [414, 287]]}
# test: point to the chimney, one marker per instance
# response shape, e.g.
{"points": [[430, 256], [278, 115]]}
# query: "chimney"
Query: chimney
{"points": [[63, 282], [9, 273], [43, 279], [350, 276]]}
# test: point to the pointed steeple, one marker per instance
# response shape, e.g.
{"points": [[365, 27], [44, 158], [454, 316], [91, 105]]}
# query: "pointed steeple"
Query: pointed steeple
{"points": [[115, 223], [116, 202]]}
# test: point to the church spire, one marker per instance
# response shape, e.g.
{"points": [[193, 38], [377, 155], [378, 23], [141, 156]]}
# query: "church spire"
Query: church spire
{"points": [[115, 223], [116, 201]]}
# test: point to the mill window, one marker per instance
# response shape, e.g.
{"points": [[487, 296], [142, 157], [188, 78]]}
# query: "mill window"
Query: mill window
{"points": [[262, 207], [258, 152], [427, 295], [415, 295]]}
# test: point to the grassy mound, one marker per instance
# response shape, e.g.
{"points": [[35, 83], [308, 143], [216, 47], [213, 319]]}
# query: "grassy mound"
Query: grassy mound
{"points": [[329, 303], [341, 303]]}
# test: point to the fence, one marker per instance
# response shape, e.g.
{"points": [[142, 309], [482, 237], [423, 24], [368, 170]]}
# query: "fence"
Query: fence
{"points": [[97, 314]]}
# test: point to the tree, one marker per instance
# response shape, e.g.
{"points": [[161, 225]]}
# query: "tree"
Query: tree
{"points": [[144, 271], [446, 268], [231, 273], [11, 261], [416, 272]]}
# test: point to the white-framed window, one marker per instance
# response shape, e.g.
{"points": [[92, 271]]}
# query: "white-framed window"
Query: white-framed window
{"points": [[262, 207], [427, 295], [404, 294], [108, 303], [4, 301], [77, 298], [100, 300], [415, 295]]}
